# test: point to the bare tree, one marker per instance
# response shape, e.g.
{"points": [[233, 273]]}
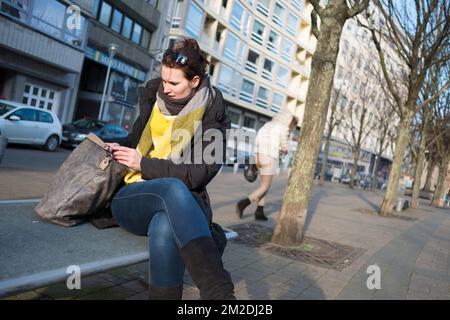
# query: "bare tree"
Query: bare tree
{"points": [[441, 130], [292, 217], [423, 136], [416, 43], [334, 120], [432, 161], [359, 122], [384, 133]]}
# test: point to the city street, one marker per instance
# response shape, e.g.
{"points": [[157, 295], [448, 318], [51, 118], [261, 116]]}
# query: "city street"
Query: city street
{"points": [[26, 171], [412, 250]]}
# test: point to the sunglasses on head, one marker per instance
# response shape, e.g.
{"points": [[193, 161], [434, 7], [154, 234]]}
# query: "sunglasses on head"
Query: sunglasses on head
{"points": [[177, 57]]}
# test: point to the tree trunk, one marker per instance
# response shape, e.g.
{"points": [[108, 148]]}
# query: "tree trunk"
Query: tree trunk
{"points": [[354, 168], [387, 207], [439, 192], [324, 160], [289, 229], [418, 172], [430, 170], [375, 171]]}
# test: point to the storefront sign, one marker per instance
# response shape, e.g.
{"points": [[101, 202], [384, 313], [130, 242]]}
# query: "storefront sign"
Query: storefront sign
{"points": [[118, 65]]}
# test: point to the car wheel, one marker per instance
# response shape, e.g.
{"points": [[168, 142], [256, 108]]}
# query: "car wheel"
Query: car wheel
{"points": [[52, 143]]}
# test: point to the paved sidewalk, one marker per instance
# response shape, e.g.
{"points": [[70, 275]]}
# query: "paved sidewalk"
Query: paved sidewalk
{"points": [[413, 255]]}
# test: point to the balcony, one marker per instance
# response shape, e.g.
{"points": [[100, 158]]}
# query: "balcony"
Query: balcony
{"points": [[272, 47], [245, 96], [225, 88], [277, 21], [267, 75], [257, 38], [262, 9], [250, 66], [261, 102]]}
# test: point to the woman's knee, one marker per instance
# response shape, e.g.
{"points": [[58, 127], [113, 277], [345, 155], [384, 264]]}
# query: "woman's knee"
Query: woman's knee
{"points": [[173, 188], [160, 231]]}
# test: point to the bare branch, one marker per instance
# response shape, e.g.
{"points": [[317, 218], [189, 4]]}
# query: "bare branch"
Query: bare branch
{"points": [[314, 26], [317, 7], [432, 98], [357, 8], [385, 72]]}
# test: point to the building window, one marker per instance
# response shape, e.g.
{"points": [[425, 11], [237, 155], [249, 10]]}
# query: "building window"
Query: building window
{"points": [[277, 101], [136, 38], [273, 42], [262, 6], [247, 90], [17, 9], [225, 79], [235, 119], [286, 50], [105, 13], [116, 23], [258, 32], [231, 47], [252, 61], [126, 29], [194, 20], [95, 8], [145, 39], [249, 123], [278, 14], [267, 69], [48, 16], [262, 98], [43, 98], [236, 16], [283, 76], [292, 24], [297, 4]]}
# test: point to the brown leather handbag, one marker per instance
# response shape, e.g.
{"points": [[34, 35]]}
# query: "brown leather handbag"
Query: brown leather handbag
{"points": [[83, 185]]}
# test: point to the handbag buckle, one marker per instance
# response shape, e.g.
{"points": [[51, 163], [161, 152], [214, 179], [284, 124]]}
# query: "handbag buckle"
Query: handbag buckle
{"points": [[104, 164]]}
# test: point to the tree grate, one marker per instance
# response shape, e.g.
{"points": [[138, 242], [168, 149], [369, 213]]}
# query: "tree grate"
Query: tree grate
{"points": [[326, 254]]}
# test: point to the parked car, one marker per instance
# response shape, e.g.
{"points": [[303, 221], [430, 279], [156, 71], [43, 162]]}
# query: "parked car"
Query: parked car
{"points": [[2, 145], [23, 124], [74, 133], [345, 179]]}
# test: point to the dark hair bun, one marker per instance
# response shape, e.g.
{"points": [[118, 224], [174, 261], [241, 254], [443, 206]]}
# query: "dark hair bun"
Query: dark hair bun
{"points": [[197, 61]]}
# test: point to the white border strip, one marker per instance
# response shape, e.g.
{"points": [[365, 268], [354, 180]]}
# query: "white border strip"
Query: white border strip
{"points": [[46, 278], [19, 201]]}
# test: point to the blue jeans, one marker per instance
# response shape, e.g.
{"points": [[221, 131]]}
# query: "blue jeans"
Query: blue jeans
{"points": [[166, 211]]}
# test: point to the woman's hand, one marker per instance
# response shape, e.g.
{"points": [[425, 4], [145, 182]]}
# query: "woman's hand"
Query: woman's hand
{"points": [[128, 157]]}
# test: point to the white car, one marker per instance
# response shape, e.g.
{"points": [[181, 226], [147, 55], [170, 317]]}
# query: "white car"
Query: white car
{"points": [[23, 124]]}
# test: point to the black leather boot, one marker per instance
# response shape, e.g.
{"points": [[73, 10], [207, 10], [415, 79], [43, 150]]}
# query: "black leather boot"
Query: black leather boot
{"points": [[202, 260], [165, 293], [241, 205], [259, 214]]}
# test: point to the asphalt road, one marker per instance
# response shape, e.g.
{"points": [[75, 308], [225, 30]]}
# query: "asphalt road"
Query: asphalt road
{"points": [[33, 158]]}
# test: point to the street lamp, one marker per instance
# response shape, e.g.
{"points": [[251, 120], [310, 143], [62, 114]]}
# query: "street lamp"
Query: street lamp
{"points": [[112, 49]]}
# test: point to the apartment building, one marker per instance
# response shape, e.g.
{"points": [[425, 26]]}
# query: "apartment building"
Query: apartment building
{"points": [[54, 54], [136, 27], [259, 51], [42, 52], [357, 89]]}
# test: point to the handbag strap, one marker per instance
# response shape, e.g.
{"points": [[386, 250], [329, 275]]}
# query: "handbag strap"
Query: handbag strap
{"points": [[91, 136]]}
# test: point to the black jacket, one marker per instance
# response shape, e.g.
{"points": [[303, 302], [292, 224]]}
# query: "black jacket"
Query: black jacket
{"points": [[195, 176]]}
